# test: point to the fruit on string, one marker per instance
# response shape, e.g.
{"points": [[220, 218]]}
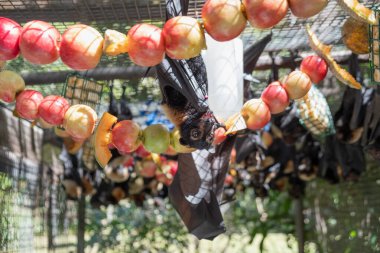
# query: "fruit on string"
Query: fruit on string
{"points": [[52, 109], [43, 124], [116, 170], [167, 172], [175, 135], [156, 138], [27, 103], [115, 43], [219, 136], [265, 14], [145, 45], [60, 132], [306, 8], [146, 168], [103, 137], [170, 151], [184, 37], [81, 47], [315, 67], [223, 19], [297, 84], [142, 152], [39, 42], [72, 146], [88, 187], [11, 83], [79, 121], [358, 11], [323, 51], [9, 39], [126, 136], [355, 36], [255, 113], [275, 97], [229, 180], [235, 123], [266, 139]]}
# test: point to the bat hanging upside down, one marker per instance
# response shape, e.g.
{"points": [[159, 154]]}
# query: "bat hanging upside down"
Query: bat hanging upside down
{"points": [[184, 88]]}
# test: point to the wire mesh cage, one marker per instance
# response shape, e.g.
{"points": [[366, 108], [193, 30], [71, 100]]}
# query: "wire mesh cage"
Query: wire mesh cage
{"points": [[374, 39], [314, 113], [81, 90]]}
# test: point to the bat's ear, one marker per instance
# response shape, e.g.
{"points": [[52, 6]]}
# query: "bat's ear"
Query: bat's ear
{"points": [[183, 142]]}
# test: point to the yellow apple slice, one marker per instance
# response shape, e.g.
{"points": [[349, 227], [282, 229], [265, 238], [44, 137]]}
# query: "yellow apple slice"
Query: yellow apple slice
{"points": [[324, 52]]}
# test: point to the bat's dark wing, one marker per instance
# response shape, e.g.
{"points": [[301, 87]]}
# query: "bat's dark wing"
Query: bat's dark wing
{"points": [[179, 80], [176, 8], [253, 53], [182, 79], [251, 56], [197, 188], [245, 145]]}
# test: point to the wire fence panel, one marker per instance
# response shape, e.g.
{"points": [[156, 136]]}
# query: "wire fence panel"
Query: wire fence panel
{"points": [[34, 215], [345, 217]]}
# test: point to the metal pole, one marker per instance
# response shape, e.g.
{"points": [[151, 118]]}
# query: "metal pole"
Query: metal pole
{"points": [[298, 216], [81, 224]]}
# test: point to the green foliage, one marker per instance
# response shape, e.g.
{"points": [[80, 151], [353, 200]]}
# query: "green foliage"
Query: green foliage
{"points": [[128, 228], [253, 216], [7, 222]]}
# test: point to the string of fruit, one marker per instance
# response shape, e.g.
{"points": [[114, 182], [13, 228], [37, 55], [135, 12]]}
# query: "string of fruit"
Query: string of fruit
{"points": [[81, 46]]}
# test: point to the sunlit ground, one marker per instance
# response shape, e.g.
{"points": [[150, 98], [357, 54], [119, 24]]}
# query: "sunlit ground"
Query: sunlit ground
{"points": [[274, 243]]}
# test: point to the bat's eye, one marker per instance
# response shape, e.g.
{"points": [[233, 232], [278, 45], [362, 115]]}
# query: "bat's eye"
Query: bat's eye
{"points": [[195, 134]]}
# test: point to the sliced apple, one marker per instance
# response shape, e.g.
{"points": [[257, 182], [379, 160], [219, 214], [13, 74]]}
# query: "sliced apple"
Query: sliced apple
{"points": [[71, 145], [115, 43], [103, 138], [358, 11], [235, 124]]}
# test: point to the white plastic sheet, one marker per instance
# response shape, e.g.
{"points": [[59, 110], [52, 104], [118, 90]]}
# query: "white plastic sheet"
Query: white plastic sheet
{"points": [[224, 64]]}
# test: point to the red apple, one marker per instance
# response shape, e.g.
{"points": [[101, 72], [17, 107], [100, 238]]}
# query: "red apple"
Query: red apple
{"points": [[229, 180], [306, 8], [167, 172], [219, 136], [39, 42], [52, 109], [27, 103], [276, 97], [156, 138], [146, 45], [9, 38], [129, 160], [184, 37], [81, 47], [265, 13], [315, 67], [223, 19], [142, 152], [146, 168], [256, 114], [297, 84], [126, 136], [79, 122], [11, 83]]}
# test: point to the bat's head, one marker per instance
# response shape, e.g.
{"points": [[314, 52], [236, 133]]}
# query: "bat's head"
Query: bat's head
{"points": [[198, 132]]}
